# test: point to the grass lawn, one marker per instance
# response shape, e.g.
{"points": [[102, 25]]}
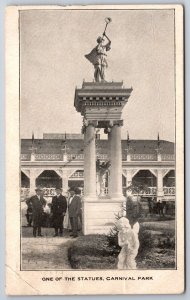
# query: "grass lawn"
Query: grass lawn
{"points": [[92, 252], [156, 251]]}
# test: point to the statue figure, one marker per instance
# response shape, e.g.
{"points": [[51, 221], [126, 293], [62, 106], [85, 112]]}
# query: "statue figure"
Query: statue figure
{"points": [[129, 243], [101, 168], [98, 55]]}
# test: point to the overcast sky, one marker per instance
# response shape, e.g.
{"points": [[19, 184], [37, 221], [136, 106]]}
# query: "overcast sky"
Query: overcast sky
{"points": [[53, 45]]}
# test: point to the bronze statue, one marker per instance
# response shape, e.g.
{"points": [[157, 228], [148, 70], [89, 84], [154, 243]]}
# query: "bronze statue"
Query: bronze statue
{"points": [[98, 55]]}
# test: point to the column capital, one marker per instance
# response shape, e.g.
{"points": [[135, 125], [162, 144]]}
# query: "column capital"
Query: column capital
{"points": [[86, 123], [115, 122]]}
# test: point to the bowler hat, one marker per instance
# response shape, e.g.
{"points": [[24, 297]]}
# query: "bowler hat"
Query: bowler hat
{"points": [[71, 189], [38, 189], [58, 188], [77, 191]]}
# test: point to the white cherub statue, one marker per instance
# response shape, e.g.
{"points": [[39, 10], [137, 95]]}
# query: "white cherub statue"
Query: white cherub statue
{"points": [[129, 242]]}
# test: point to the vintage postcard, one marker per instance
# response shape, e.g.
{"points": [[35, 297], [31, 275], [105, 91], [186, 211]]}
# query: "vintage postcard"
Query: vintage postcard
{"points": [[94, 150]]}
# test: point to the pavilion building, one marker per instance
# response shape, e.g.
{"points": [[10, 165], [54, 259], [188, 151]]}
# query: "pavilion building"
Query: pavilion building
{"points": [[58, 160]]}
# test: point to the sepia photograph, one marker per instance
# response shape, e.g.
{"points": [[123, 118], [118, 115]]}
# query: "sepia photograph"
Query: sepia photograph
{"points": [[99, 171]]}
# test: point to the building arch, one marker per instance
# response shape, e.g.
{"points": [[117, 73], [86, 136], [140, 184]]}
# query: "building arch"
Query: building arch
{"points": [[49, 179], [25, 180], [169, 179], [145, 177], [76, 179]]}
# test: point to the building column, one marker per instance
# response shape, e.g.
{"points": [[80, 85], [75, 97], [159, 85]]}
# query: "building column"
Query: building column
{"points": [[89, 161], [129, 178], [32, 180], [160, 190], [115, 184], [159, 155], [65, 186]]}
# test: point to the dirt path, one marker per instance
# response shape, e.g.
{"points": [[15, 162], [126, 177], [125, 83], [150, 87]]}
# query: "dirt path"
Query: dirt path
{"points": [[46, 253]]}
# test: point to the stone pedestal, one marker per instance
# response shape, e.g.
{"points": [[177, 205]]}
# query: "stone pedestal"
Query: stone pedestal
{"points": [[101, 104], [99, 216]]}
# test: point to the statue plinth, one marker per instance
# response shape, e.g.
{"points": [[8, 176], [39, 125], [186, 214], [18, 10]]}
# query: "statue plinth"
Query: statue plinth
{"points": [[101, 100], [101, 105]]}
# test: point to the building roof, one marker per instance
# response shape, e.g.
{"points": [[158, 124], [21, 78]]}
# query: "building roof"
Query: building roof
{"points": [[76, 146]]}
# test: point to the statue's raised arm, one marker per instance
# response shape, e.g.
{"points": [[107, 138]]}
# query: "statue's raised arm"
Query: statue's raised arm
{"points": [[108, 45], [98, 55]]}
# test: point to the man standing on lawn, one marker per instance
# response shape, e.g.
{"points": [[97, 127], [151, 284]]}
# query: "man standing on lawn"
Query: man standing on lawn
{"points": [[74, 208], [37, 203], [58, 209]]}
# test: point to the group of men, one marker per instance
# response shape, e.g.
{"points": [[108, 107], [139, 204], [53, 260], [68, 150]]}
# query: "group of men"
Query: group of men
{"points": [[58, 209], [157, 208]]}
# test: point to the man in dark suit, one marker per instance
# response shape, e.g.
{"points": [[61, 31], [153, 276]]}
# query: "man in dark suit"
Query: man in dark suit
{"points": [[74, 208], [79, 225], [58, 209], [37, 203]]}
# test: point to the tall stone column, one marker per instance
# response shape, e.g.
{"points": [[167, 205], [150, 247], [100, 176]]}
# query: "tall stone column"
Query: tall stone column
{"points": [[115, 188], [160, 190], [89, 161], [101, 105]]}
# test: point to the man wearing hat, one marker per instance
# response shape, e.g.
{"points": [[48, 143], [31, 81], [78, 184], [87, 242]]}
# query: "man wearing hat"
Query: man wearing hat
{"points": [[58, 209], [38, 203], [74, 208]]}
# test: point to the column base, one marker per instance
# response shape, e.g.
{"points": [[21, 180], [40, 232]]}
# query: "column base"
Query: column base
{"points": [[160, 198], [89, 198], [160, 195], [117, 197]]}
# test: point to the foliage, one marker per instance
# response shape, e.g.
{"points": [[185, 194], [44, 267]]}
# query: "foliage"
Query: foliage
{"points": [[92, 251], [157, 248]]}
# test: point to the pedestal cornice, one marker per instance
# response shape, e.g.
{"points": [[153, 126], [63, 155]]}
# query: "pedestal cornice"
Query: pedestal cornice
{"points": [[94, 96]]}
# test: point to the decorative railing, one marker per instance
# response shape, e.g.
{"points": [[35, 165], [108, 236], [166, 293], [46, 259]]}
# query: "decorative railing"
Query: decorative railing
{"points": [[45, 157], [168, 191], [78, 174], [49, 192], [150, 191], [105, 191], [26, 156], [168, 157], [76, 157], [58, 157], [143, 157]]}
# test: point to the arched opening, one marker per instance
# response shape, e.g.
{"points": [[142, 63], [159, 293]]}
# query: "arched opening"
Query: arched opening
{"points": [[25, 181], [169, 179], [144, 177], [124, 181], [49, 179], [76, 180]]}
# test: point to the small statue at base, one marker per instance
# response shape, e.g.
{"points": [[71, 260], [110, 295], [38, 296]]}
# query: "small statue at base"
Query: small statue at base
{"points": [[129, 242]]}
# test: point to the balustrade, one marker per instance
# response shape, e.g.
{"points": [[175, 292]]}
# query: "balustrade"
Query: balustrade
{"points": [[78, 174], [150, 191], [134, 157]]}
